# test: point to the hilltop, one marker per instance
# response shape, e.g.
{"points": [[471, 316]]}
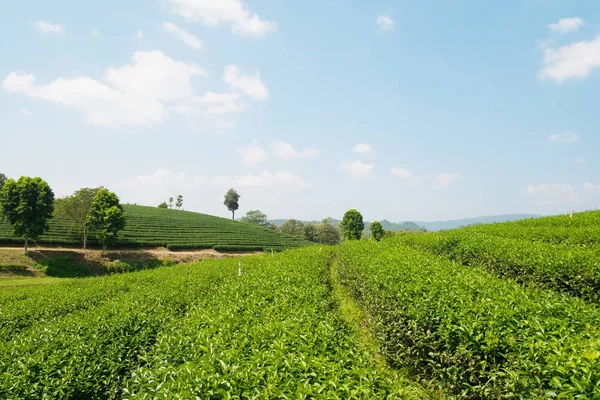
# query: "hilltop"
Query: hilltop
{"points": [[148, 227]]}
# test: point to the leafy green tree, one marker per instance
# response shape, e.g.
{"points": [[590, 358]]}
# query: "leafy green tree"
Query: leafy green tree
{"points": [[376, 230], [170, 202], [76, 208], [327, 233], [179, 202], [388, 234], [293, 227], [2, 180], [310, 232], [255, 217], [232, 199], [27, 205], [106, 217], [352, 225], [163, 205]]}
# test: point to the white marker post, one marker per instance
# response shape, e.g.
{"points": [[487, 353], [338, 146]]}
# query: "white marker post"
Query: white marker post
{"points": [[239, 269]]}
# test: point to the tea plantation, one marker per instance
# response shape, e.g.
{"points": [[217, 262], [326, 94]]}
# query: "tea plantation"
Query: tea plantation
{"points": [[174, 229], [473, 313]]}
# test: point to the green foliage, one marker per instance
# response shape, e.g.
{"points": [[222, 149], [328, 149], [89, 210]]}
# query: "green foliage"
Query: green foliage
{"points": [[476, 335], [27, 205], [293, 227], [76, 208], [170, 202], [327, 233], [310, 232], [352, 225], [255, 217], [187, 332], [106, 217], [179, 202], [163, 205], [232, 201], [2, 180], [156, 227], [376, 230]]}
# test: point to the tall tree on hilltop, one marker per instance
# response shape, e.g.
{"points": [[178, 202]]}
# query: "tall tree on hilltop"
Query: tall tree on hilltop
{"points": [[106, 217], [27, 205], [170, 202], [352, 225], [232, 199], [179, 202], [76, 208]]}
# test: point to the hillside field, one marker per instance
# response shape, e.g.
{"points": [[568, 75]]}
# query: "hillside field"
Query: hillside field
{"points": [[173, 229], [494, 311]]}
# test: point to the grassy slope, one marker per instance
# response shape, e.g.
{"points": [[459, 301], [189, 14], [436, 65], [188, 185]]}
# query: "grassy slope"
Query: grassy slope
{"points": [[154, 227]]}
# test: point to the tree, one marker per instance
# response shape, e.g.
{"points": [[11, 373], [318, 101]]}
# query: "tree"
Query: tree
{"points": [[27, 205], [293, 227], [232, 199], [170, 202], [352, 225], [163, 205], [76, 208], [106, 217], [179, 202], [327, 233], [2, 180], [310, 232], [376, 230], [255, 217]]}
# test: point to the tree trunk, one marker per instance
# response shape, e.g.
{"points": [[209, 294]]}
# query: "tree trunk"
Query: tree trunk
{"points": [[26, 244], [233, 215], [85, 235], [103, 248]]}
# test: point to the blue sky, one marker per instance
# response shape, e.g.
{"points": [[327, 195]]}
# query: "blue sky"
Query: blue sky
{"points": [[405, 110]]}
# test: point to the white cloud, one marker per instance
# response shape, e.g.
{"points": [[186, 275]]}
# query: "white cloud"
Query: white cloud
{"points": [[385, 23], [363, 148], [287, 151], [574, 60], [47, 27], [357, 169], [140, 34], [182, 35], [248, 84], [96, 33], [253, 154], [26, 112], [285, 180], [553, 194], [407, 175], [445, 180], [590, 187], [217, 12], [566, 25], [567, 137], [137, 94]]}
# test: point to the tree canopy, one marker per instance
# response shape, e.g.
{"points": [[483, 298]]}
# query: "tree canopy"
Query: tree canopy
{"points": [[106, 217], [27, 205], [376, 230], [256, 217], [327, 233], [163, 205], [2, 180], [293, 227], [352, 225], [232, 199], [76, 208]]}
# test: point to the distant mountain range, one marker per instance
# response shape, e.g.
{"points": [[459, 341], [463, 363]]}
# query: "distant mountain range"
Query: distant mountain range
{"points": [[435, 225]]}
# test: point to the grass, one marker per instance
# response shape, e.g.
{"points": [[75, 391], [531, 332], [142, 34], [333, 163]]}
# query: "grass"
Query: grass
{"points": [[174, 229]]}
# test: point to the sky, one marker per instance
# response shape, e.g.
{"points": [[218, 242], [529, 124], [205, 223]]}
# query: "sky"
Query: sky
{"points": [[405, 110]]}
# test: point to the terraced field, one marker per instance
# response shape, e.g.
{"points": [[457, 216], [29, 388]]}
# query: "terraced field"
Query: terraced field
{"points": [[473, 313], [174, 229]]}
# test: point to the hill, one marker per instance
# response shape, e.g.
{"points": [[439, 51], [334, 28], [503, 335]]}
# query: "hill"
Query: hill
{"points": [[174, 229], [387, 225], [486, 219]]}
